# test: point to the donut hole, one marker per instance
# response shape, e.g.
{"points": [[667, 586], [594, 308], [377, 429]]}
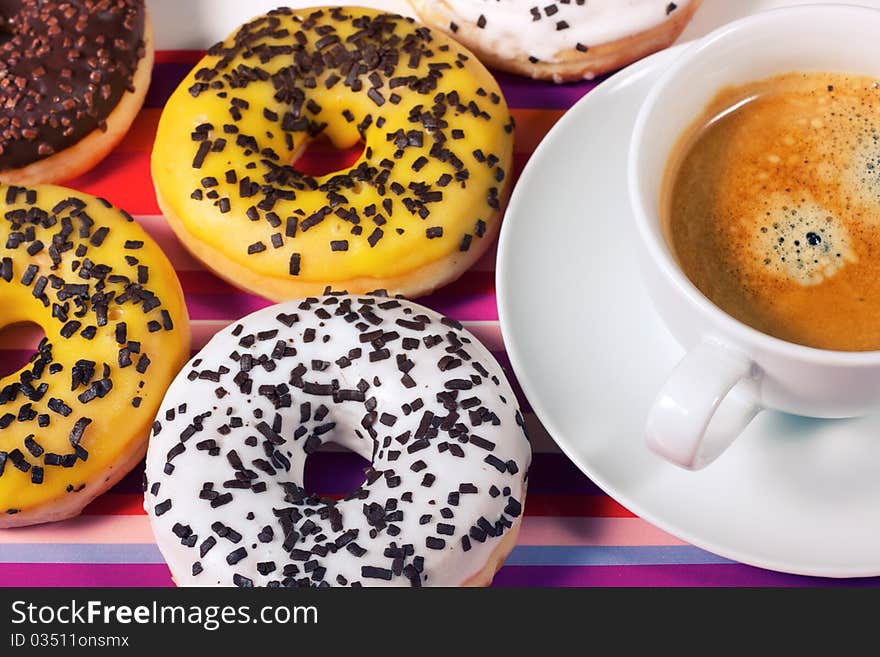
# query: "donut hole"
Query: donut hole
{"points": [[18, 344], [334, 469], [321, 157]]}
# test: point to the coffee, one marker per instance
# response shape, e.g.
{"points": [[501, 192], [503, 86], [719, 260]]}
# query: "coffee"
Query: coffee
{"points": [[771, 204]]}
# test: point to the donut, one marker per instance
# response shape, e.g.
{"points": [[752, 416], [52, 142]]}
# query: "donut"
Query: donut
{"points": [[417, 208], [73, 76], [411, 391], [77, 416], [560, 41]]}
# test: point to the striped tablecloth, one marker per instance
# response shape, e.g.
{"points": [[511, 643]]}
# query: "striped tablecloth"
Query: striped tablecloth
{"points": [[572, 535]]}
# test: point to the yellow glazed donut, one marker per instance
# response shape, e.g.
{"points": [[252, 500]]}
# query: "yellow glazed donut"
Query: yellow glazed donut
{"points": [[76, 418], [419, 206]]}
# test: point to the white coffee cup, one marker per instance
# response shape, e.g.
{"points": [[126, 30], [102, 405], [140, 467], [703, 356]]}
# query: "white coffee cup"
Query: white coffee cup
{"points": [[732, 371]]}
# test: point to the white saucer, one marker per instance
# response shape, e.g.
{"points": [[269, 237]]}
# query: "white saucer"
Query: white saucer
{"points": [[794, 495]]}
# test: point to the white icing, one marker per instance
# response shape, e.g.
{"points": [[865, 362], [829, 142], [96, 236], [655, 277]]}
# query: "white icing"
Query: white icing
{"points": [[511, 29], [451, 565]]}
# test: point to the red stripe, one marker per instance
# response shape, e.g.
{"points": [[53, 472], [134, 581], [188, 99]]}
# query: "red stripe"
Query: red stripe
{"points": [[124, 179], [321, 158], [116, 504], [576, 506], [179, 56]]}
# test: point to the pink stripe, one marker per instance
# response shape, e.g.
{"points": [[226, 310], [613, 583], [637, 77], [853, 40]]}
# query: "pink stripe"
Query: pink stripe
{"points": [[84, 529], [160, 231], [203, 306], [227, 307], [538, 530], [480, 307], [65, 575], [19, 346], [204, 330], [489, 333]]}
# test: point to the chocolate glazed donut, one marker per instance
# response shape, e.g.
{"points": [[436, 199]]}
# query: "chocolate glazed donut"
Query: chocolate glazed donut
{"points": [[72, 77]]}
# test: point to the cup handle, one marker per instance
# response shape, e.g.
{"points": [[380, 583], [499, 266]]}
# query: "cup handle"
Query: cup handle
{"points": [[705, 404]]}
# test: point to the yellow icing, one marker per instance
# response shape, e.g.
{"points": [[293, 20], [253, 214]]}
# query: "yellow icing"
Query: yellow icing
{"points": [[117, 426], [463, 205]]}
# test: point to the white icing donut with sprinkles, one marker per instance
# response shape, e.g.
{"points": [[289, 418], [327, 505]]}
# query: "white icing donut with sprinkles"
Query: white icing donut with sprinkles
{"points": [[561, 41], [409, 390]]}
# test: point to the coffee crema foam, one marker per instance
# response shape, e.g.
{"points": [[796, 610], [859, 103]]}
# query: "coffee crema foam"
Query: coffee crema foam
{"points": [[772, 207]]}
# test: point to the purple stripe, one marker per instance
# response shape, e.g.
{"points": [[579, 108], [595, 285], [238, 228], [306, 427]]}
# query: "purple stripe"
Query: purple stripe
{"points": [[339, 473], [524, 93], [132, 482], [504, 360], [166, 77], [334, 474], [522, 555], [107, 553], [670, 575], [157, 575], [65, 575], [554, 474], [520, 92]]}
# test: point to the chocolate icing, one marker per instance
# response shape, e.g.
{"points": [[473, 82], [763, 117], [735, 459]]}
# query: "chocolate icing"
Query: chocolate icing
{"points": [[63, 68]]}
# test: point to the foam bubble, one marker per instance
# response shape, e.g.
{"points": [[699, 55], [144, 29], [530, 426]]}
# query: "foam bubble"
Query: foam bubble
{"points": [[799, 240], [860, 177]]}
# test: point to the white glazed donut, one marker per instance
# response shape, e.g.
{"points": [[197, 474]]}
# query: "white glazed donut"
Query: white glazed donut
{"points": [[409, 390], [563, 40]]}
